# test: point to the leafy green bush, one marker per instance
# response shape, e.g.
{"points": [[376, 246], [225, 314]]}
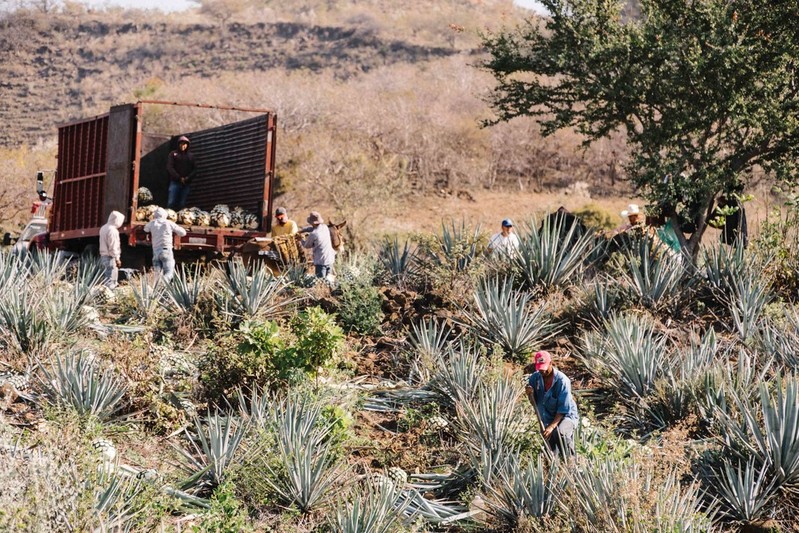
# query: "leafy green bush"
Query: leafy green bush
{"points": [[318, 339], [249, 362], [360, 307], [595, 217]]}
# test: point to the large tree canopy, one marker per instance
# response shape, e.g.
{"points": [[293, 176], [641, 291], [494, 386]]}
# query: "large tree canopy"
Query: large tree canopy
{"points": [[704, 90]]}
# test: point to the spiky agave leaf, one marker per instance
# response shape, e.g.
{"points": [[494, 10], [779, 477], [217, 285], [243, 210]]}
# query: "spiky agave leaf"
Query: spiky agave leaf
{"points": [[219, 439], [750, 294], [428, 339], [12, 269], [629, 352], [459, 374], [552, 255], [47, 266], [399, 261], [744, 492], [23, 322], [77, 382], [147, 297], [775, 443], [656, 278], [502, 315], [254, 291], [184, 289], [521, 490], [374, 507]]}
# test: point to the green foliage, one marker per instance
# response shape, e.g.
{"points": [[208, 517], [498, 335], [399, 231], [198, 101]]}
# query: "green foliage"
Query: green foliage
{"points": [[778, 241], [360, 307], [703, 91], [595, 217], [318, 339], [226, 514]]}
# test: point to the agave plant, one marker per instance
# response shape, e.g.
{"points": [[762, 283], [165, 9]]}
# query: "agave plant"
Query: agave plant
{"points": [[428, 340], [750, 294], [11, 269], [722, 266], [656, 278], [219, 439], [254, 291], [399, 261], [23, 323], [147, 297], [184, 289], [603, 301], [116, 497], [523, 490], [47, 266], [456, 247], [744, 492], [458, 375], [782, 343], [490, 424], [552, 255], [64, 310], [297, 276], [775, 442], [502, 316], [629, 352], [77, 382], [372, 506], [88, 275], [308, 462]]}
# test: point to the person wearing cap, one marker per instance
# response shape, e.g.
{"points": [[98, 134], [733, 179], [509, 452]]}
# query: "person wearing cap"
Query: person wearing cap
{"points": [[318, 240], [181, 169], [506, 241], [550, 393], [283, 226]]}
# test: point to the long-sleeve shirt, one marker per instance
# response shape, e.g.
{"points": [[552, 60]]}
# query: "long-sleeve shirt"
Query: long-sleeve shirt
{"points": [[162, 231], [289, 228], [180, 164], [109, 236], [319, 241]]}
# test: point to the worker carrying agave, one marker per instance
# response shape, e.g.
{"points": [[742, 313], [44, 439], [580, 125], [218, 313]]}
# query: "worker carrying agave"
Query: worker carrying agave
{"points": [[550, 393], [162, 231], [181, 168]]}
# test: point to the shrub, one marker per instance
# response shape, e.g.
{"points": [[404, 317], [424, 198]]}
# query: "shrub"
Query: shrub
{"points": [[360, 307], [595, 217], [318, 339]]}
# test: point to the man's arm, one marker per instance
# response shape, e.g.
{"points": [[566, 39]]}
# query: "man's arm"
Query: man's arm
{"points": [[550, 428], [170, 167], [178, 230]]}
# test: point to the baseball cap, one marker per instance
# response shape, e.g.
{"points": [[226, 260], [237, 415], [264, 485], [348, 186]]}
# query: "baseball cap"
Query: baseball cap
{"points": [[280, 211], [507, 223], [542, 360]]}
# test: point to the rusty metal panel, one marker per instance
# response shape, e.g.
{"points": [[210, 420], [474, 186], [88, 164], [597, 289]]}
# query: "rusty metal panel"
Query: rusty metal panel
{"points": [[122, 126], [79, 186]]}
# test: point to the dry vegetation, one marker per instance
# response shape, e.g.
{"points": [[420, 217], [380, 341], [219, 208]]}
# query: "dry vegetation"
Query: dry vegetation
{"points": [[377, 104]]}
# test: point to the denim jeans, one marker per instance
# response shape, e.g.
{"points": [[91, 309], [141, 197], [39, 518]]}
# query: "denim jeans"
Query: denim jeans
{"points": [[164, 262], [110, 271], [561, 442], [177, 195], [323, 271]]}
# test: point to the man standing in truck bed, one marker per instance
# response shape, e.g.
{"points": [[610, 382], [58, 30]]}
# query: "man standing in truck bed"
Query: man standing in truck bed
{"points": [[181, 168]]}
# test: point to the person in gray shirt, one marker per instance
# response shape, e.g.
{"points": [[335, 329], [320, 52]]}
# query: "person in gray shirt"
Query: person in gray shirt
{"points": [[318, 241], [162, 231]]}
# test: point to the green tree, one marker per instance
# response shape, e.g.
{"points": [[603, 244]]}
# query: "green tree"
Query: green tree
{"points": [[704, 90]]}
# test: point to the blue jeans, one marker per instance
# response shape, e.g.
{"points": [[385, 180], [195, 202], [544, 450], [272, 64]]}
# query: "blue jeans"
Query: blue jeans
{"points": [[164, 262], [322, 271], [177, 195], [110, 271]]}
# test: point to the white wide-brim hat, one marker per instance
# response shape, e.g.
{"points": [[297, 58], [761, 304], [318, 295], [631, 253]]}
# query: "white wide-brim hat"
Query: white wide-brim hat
{"points": [[632, 209]]}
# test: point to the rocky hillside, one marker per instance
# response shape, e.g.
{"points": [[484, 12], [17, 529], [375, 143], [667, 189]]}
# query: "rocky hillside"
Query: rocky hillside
{"points": [[58, 69]]}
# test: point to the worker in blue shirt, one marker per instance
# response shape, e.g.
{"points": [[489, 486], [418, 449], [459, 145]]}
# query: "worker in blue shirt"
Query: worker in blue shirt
{"points": [[550, 392]]}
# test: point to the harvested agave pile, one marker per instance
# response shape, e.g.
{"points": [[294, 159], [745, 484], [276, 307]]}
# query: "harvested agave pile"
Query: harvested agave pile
{"points": [[221, 216]]}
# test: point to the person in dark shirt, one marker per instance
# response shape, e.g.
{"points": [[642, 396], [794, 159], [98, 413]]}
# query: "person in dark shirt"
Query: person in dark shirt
{"points": [[181, 168]]}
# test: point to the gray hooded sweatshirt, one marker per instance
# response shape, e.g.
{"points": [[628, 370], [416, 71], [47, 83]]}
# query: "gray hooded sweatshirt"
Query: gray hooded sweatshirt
{"points": [[109, 236], [162, 230]]}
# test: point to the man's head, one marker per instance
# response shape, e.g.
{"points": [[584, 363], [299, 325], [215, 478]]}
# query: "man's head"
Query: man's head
{"points": [[507, 226], [280, 215], [160, 214], [315, 218], [632, 213], [543, 362], [116, 219], [183, 143]]}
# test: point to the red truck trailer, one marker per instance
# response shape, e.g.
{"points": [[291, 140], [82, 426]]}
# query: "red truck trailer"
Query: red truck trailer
{"points": [[102, 162]]}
